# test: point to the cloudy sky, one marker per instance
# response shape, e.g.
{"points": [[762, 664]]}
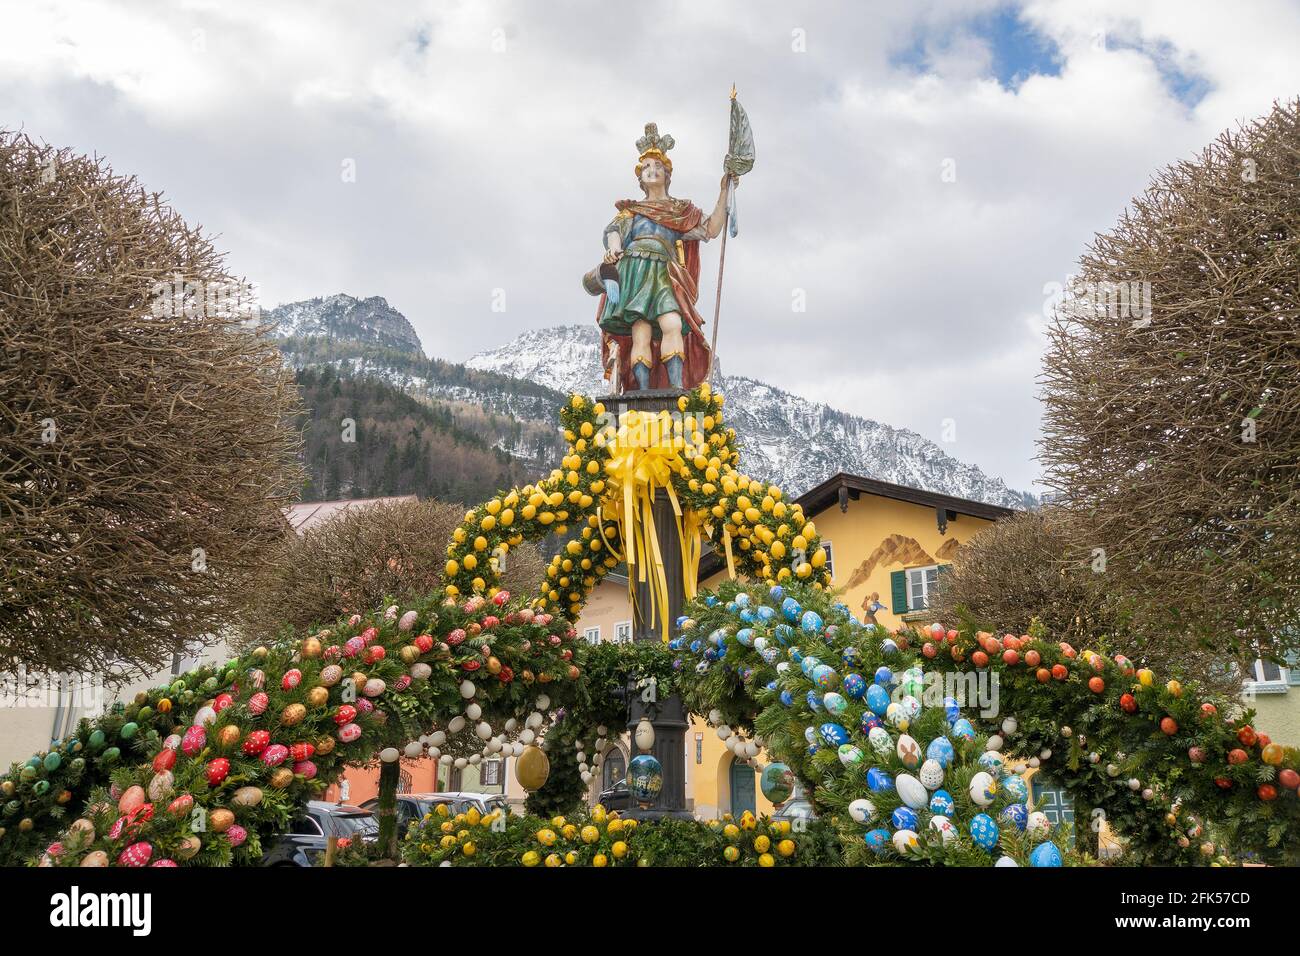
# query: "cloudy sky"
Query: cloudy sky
{"points": [[925, 169]]}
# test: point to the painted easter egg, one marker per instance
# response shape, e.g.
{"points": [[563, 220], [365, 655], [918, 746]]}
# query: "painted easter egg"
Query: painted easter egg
{"points": [[931, 775], [880, 740], [984, 831], [850, 756], [942, 803], [951, 709], [1016, 787], [983, 789], [876, 839], [877, 699], [904, 818], [862, 810], [911, 791], [1038, 826], [940, 750], [897, 716], [905, 841], [1045, 854], [833, 734], [944, 827], [991, 760], [834, 703], [963, 729], [1016, 814], [909, 751], [878, 780]]}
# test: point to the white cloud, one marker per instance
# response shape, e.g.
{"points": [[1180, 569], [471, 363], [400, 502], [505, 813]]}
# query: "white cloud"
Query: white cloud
{"points": [[490, 140]]}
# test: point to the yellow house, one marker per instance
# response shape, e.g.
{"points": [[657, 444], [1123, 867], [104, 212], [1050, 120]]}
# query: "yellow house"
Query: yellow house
{"points": [[886, 545]]}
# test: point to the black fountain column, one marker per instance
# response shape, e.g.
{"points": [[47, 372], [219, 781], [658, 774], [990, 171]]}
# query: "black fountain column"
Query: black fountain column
{"points": [[666, 714]]}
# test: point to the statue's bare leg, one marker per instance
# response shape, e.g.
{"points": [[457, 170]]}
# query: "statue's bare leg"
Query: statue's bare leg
{"points": [[672, 351], [640, 357]]}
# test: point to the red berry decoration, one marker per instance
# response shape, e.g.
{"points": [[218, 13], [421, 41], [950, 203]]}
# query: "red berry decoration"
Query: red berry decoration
{"points": [[1169, 726], [291, 679], [1266, 792], [256, 742], [1128, 703], [1059, 671], [1096, 685], [345, 714], [216, 771]]}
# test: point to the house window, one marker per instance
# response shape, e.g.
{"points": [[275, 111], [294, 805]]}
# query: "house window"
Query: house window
{"points": [[830, 559], [921, 584], [491, 773], [592, 634], [623, 632], [1267, 677]]}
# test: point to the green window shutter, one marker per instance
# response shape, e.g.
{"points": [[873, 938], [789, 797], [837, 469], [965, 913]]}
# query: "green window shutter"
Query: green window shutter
{"points": [[898, 587], [1293, 668]]}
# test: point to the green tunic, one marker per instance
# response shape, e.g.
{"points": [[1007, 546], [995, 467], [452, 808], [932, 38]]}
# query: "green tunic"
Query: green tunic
{"points": [[645, 290]]}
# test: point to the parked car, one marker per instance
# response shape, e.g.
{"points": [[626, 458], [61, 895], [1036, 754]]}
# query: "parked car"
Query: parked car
{"points": [[412, 807], [304, 844], [616, 796]]}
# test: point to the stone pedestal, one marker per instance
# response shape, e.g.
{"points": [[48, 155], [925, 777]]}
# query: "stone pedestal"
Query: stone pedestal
{"points": [[666, 715]]}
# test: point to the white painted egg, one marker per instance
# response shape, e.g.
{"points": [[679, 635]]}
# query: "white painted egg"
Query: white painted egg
{"points": [[944, 826], [880, 740], [905, 841], [1006, 861], [931, 775], [983, 788], [911, 792], [862, 811], [994, 743], [1037, 826], [911, 706]]}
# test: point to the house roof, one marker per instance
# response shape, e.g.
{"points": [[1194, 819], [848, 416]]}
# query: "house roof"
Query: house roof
{"points": [[846, 487], [308, 514]]}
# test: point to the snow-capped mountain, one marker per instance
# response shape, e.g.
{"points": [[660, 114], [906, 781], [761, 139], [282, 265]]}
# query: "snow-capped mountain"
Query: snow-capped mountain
{"points": [[784, 438], [372, 321]]}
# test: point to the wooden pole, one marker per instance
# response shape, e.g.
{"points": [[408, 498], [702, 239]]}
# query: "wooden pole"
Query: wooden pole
{"points": [[717, 299]]}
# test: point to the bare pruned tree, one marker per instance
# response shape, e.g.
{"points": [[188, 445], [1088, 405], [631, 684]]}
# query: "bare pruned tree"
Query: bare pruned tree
{"points": [[1172, 391], [147, 437]]}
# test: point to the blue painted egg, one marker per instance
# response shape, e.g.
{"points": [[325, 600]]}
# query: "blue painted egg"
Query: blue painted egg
{"points": [[878, 780], [824, 676], [731, 607], [984, 831], [1015, 787], [771, 655], [742, 599], [776, 593], [811, 622], [950, 709], [783, 633], [792, 609], [695, 647], [851, 655], [888, 647], [711, 600], [941, 751], [884, 676], [834, 703], [963, 729], [795, 655], [1045, 854], [718, 637], [748, 616], [771, 685], [877, 839], [1017, 814], [855, 686], [682, 620], [807, 665], [833, 734], [813, 748], [787, 698], [991, 760], [645, 778], [904, 818], [941, 803], [746, 636], [877, 699], [870, 721], [814, 701], [766, 613]]}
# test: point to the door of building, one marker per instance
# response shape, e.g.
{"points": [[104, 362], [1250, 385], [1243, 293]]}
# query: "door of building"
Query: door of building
{"points": [[742, 788]]}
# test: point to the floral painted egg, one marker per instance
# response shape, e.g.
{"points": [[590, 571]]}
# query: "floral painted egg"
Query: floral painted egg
{"points": [[943, 826], [911, 706], [931, 775], [1016, 787], [193, 741], [869, 721], [877, 699], [876, 839], [814, 701], [862, 810], [1045, 854], [770, 655], [835, 704], [913, 682], [940, 750], [850, 756], [374, 687], [991, 760], [331, 674], [951, 709], [824, 676], [291, 679], [909, 752], [911, 791], [942, 803], [811, 622], [349, 732], [833, 734], [792, 609], [878, 780], [963, 729], [880, 741], [275, 754], [1017, 814], [855, 685], [137, 854], [983, 789], [897, 716], [904, 818], [850, 655], [258, 703], [905, 841], [984, 831], [1038, 826]]}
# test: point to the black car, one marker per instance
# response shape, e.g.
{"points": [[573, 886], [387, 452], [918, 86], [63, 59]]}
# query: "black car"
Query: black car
{"points": [[411, 807], [304, 844], [616, 796]]}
